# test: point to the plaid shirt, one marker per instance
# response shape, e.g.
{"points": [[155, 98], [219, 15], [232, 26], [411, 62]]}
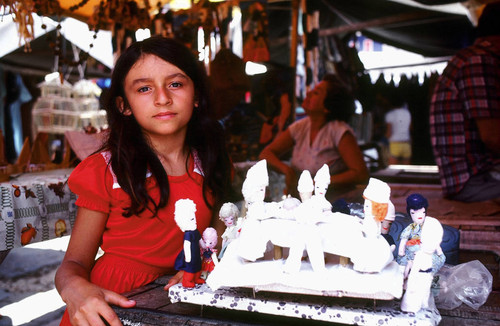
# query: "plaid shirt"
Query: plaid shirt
{"points": [[469, 88]]}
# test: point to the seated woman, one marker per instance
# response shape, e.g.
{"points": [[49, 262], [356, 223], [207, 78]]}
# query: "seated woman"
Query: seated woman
{"points": [[322, 137]]}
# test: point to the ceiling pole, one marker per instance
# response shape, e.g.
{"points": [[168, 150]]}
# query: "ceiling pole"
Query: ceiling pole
{"points": [[293, 50], [307, 54], [295, 33], [311, 43], [315, 50], [408, 18]]}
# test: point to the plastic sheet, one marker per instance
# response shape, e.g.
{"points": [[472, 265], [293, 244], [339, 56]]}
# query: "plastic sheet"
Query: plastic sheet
{"points": [[468, 283], [357, 209]]}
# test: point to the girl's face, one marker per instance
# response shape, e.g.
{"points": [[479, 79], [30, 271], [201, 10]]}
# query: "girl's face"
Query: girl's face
{"points": [[418, 215], [160, 95], [315, 98]]}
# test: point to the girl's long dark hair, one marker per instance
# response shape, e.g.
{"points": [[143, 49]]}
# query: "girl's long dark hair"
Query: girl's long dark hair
{"points": [[131, 154]]}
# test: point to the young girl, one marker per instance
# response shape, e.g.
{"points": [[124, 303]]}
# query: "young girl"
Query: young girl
{"points": [[163, 145]]}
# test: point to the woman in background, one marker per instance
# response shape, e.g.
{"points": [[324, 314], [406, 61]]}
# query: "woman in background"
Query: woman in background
{"points": [[322, 137]]}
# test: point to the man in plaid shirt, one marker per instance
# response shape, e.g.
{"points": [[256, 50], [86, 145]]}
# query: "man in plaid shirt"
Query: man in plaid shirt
{"points": [[465, 116]]}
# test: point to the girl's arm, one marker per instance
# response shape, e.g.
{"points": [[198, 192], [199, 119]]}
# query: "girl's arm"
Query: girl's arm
{"points": [[86, 302], [351, 154]]}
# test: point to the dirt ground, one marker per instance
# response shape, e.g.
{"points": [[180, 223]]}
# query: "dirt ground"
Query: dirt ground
{"points": [[26, 274]]}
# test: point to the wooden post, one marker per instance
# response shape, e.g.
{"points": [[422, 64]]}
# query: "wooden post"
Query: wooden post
{"points": [[294, 37], [344, 261], [295, 33]]}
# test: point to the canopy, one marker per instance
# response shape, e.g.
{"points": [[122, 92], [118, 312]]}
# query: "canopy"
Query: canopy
{"points": [[428, 27], [38, 57], [432, 31], [436, 30], [429, 30]]}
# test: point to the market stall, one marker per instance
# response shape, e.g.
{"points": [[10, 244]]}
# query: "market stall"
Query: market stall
{"points": [[295, 51], [297, 42]]}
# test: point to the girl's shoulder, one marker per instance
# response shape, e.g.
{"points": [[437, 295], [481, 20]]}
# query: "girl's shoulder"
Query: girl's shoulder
{"points": [[93, 168], [92, 181], [96, 161]]}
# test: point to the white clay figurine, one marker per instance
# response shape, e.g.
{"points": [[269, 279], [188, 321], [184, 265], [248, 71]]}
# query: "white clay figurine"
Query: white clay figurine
{"points": [[321, 183], [189, 259], [252, 243], [416, 207], [418, 288]]}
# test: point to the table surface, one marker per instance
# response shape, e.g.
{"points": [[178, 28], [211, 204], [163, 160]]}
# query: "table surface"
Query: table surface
{"points": [[414, 174], [155, 308], [35, 207]]}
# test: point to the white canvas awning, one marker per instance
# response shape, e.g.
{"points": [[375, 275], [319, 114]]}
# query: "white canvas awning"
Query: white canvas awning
{"points": [[75, 31]]}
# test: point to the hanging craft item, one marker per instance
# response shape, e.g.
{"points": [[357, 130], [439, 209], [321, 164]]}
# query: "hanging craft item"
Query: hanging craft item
{"points": [[255, 47], [123, 17], [162, 23], [22, 14]]}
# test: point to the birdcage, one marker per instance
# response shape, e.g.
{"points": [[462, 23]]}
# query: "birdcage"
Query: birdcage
{"points": [[58, 110]]}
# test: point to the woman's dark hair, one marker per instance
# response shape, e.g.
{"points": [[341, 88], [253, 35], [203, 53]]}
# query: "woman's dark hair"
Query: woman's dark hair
{"points": [[339, 101], [415, 202], [131, 154]]}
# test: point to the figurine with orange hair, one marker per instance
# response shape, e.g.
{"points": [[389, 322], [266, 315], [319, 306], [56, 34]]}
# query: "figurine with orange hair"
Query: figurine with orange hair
{"points": [[376, 205]]}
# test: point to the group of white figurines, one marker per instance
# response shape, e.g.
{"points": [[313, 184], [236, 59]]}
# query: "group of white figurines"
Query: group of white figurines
{"points": [[310, 229]]}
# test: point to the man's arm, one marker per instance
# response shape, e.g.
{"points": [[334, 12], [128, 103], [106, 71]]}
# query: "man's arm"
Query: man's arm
{"points": [[489, 130]]}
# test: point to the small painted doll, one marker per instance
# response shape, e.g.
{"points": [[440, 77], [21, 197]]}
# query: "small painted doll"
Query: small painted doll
{"points": [[416, 206], [229, 214], [208, 252]]}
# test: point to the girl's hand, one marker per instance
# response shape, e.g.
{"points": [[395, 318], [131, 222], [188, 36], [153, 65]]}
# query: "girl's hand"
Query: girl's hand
{"points": [[92, 305], [177, 278]]}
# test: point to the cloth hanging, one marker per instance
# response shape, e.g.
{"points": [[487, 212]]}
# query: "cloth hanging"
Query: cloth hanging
{"points": [[3, 94], [17, 95]]}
